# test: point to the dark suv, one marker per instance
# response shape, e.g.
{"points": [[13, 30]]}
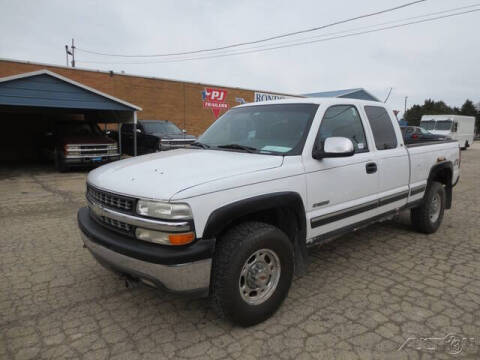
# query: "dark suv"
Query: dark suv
{"points": [[154, 135]]}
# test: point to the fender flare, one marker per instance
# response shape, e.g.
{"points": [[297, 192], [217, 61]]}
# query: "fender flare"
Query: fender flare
{"points": [[440, 167], [222, 217]]}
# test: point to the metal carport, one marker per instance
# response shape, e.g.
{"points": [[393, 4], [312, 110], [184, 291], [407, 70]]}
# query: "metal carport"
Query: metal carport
{"points": [[43, 91]]}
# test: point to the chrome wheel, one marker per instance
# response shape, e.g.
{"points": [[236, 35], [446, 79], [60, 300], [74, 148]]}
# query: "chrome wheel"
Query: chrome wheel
{"points": [[259, 276], [435, 208]]}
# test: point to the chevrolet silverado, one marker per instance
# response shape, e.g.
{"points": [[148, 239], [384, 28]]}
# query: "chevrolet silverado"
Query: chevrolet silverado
{"points": [[234, 215]]}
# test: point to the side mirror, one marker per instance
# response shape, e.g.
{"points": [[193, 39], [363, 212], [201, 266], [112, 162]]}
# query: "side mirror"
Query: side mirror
{"points": [[139, 131], [333, 147], [108, 132]]}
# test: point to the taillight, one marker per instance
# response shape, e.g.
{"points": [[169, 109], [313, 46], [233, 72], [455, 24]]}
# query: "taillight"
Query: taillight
{"points": [[414, 136]]}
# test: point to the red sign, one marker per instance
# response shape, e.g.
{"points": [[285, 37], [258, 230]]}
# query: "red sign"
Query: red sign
{"points": [[214, 99]]}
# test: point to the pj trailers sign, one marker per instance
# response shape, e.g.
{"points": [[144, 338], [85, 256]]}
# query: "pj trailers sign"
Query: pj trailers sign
{"points": [[214, 99]]}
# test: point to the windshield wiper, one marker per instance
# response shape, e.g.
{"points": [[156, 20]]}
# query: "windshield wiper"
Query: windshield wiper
{"points": [[199, 144], [238, 146]]}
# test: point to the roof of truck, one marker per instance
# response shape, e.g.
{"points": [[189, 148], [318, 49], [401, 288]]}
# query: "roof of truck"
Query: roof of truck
{"points": [[316, 100]]}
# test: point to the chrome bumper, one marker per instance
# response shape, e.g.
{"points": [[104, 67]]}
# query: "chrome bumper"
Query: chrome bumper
{"points": [[190, 277]]}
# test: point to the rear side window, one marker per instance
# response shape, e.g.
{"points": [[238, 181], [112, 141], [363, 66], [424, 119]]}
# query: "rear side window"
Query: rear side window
{"points": [[382, 127], [344, 121]]}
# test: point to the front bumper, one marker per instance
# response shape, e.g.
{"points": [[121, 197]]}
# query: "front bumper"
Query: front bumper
{"points": [[89, 160], [182, 269], [164, 146]]}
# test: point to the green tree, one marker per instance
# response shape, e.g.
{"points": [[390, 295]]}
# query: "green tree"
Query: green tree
{"points": [[429, 107], [469, 109]]}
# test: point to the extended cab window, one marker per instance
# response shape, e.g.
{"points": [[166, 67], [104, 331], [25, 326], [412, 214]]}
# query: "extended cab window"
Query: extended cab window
{"points": [[382, 127], [344, 121]]}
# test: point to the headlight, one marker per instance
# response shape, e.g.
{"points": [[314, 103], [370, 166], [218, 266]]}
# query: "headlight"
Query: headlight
{"points": [[164, 210], [72, 148]]}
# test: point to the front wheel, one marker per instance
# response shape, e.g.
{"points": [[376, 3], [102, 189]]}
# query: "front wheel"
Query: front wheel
{"points": [[252, 272], [428, 217]]}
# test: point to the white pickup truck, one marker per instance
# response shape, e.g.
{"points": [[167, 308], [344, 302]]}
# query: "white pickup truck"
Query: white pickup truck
{"points": [[234, 215]]}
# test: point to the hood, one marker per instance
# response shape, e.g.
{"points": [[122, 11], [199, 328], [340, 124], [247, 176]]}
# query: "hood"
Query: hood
{"points": [[86, 139], [161, 175], [174, 136]]}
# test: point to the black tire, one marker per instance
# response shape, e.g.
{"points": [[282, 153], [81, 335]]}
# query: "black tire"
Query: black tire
{"points": [[422, 218], [233, 250]]}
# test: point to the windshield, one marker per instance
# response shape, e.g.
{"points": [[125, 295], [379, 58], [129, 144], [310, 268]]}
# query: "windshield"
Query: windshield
{"points": [[424, 132], [428, 124], [443, 125], [160, 127], [278, 128], [77, 128]]}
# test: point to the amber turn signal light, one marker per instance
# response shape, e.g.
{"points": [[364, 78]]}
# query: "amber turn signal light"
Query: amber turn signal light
{"points": [[181, 239]]}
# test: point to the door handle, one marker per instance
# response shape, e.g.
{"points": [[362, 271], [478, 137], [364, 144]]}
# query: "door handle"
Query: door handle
{"points": [[371, 168]]}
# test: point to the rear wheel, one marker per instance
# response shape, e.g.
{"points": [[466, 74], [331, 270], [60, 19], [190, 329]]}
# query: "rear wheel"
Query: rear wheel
{"points": [[252, 272], [428, 217]]}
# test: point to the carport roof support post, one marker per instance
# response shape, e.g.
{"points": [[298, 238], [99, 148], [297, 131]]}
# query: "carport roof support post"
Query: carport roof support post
{"points": [[134, 133]]}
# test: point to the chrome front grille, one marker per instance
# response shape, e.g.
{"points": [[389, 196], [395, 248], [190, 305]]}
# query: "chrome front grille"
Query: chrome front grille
{"points": [[110, 200], [93, 149], [115, 223]]}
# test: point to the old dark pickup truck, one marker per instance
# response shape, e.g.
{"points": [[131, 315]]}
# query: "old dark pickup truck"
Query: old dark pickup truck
{"points": [[78, 143]]}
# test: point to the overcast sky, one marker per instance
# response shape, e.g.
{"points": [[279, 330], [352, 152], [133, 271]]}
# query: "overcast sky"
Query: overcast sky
{"points": [[439, 60]]}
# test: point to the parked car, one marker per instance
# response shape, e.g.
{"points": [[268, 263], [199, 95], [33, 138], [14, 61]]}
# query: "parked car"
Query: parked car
{"points": [[152, 136], [146, 143], [412, 134], [73, 143], [457, 127], [171, 137], [233, 215]]}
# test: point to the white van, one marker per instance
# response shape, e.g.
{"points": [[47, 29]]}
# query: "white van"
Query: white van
{"points": [[458, 127]]}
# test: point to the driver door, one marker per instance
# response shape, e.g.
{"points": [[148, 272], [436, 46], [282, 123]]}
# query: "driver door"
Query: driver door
{"points": [[341, 191]]}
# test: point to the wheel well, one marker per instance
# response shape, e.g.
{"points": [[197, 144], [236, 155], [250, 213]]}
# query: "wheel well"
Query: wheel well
{"points": [[443, 174], [282, 218], [282, 210]]}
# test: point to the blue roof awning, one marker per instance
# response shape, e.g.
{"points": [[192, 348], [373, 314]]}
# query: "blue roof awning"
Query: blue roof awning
{"points": [[45, 89]]}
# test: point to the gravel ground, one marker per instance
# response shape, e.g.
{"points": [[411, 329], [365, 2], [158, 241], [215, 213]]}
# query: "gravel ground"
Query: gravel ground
{"points": [[382, 292]]}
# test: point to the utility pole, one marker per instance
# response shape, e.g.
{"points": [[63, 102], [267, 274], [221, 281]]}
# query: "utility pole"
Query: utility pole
{"points": [[70, 52], [73, 53], [405, 108]]}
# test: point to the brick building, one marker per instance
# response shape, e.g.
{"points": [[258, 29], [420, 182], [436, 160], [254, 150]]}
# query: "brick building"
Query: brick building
{"points": [[160, 99]]}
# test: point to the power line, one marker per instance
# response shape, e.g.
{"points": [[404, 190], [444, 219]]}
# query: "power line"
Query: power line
{"points": [[287, 45], [371, 26], [260, 40]]}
